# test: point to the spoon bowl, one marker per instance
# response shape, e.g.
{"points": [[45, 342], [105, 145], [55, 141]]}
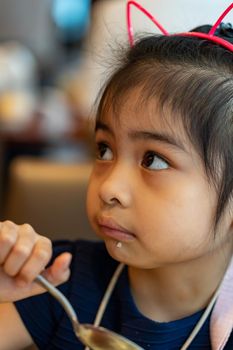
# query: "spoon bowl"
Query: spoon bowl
{"points": [[97, 338]]}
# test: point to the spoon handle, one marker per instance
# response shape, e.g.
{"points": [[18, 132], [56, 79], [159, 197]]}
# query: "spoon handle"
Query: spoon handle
{"points": [[60, 298]]}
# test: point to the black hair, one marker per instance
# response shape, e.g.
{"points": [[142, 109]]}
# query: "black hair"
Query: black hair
{"points": [[194, 78]]}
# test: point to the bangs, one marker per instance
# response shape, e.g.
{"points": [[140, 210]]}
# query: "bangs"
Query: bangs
{"points": [[193, 96]]}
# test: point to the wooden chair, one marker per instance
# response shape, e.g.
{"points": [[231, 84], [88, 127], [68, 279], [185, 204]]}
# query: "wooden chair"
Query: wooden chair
{"points": [[50, 196]]}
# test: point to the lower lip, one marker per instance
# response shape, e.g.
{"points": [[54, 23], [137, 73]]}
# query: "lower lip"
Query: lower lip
{"points": [[116, 234]]}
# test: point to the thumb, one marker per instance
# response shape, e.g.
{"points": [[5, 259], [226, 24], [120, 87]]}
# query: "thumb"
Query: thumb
{"points": [[59, 271]]}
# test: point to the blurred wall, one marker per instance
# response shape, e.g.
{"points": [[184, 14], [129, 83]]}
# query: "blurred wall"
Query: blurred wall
{"points": [[29, 21]]}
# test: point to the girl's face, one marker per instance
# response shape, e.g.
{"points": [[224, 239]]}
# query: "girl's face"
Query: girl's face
{"points": [[149, 191]]}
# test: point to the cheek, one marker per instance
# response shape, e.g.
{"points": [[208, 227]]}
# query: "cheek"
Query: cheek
{"points": [[181, 213], [93, 202], [91, 198]]}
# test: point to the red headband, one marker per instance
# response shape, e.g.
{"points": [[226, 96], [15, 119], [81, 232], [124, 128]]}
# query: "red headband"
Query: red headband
{"points": [[210, 36]]}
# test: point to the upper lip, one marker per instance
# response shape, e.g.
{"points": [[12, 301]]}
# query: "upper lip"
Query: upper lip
{"points": [[110, 223]]}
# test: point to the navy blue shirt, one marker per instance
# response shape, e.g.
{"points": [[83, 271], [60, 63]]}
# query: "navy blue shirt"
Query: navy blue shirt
{"points": [[91, 270]]}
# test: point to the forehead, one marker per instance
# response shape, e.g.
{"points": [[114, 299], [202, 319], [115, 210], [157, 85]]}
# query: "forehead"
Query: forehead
{"points": [[134, 110]]}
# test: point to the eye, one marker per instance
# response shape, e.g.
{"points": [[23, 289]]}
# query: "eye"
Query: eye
{"points": [[152, 161], [104, 152]]}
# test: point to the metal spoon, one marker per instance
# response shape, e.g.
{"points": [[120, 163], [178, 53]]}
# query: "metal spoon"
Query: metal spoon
{"points": [[97, 338]]}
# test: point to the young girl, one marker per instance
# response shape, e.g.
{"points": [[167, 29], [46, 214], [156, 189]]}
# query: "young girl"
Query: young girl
{"points": [[160, 197]]}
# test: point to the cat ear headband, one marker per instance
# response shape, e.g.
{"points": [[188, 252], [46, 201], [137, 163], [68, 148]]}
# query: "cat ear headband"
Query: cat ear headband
{"points": [[209, 36]]}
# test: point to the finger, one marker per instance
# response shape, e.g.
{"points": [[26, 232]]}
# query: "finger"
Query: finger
{"points": [[59, 272], [56, 274], [8, 237], [39, 258], [21, 251]]}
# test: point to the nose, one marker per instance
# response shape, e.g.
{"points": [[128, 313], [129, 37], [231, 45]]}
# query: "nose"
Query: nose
{"points": [[116, 188]]}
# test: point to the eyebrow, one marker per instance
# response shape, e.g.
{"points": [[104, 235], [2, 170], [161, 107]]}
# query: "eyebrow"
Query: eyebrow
{"points": [[146, 135], [102, 126]]}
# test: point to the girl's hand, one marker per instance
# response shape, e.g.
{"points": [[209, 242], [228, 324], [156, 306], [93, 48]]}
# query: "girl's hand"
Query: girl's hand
{"points": [[23, 255]]}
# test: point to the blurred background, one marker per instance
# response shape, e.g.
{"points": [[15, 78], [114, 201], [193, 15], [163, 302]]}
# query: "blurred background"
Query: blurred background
{"points": [[54, 55]]}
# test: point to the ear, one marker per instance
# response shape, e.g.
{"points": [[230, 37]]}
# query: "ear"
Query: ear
{"points": [[220, 19], [131, 3]]}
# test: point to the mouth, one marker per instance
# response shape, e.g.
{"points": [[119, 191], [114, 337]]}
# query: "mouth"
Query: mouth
{"points": [[109, 228]]}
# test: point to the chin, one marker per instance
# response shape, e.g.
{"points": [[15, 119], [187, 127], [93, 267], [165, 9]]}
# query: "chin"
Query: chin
{"points": [[115, 252], [122, 254]]}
